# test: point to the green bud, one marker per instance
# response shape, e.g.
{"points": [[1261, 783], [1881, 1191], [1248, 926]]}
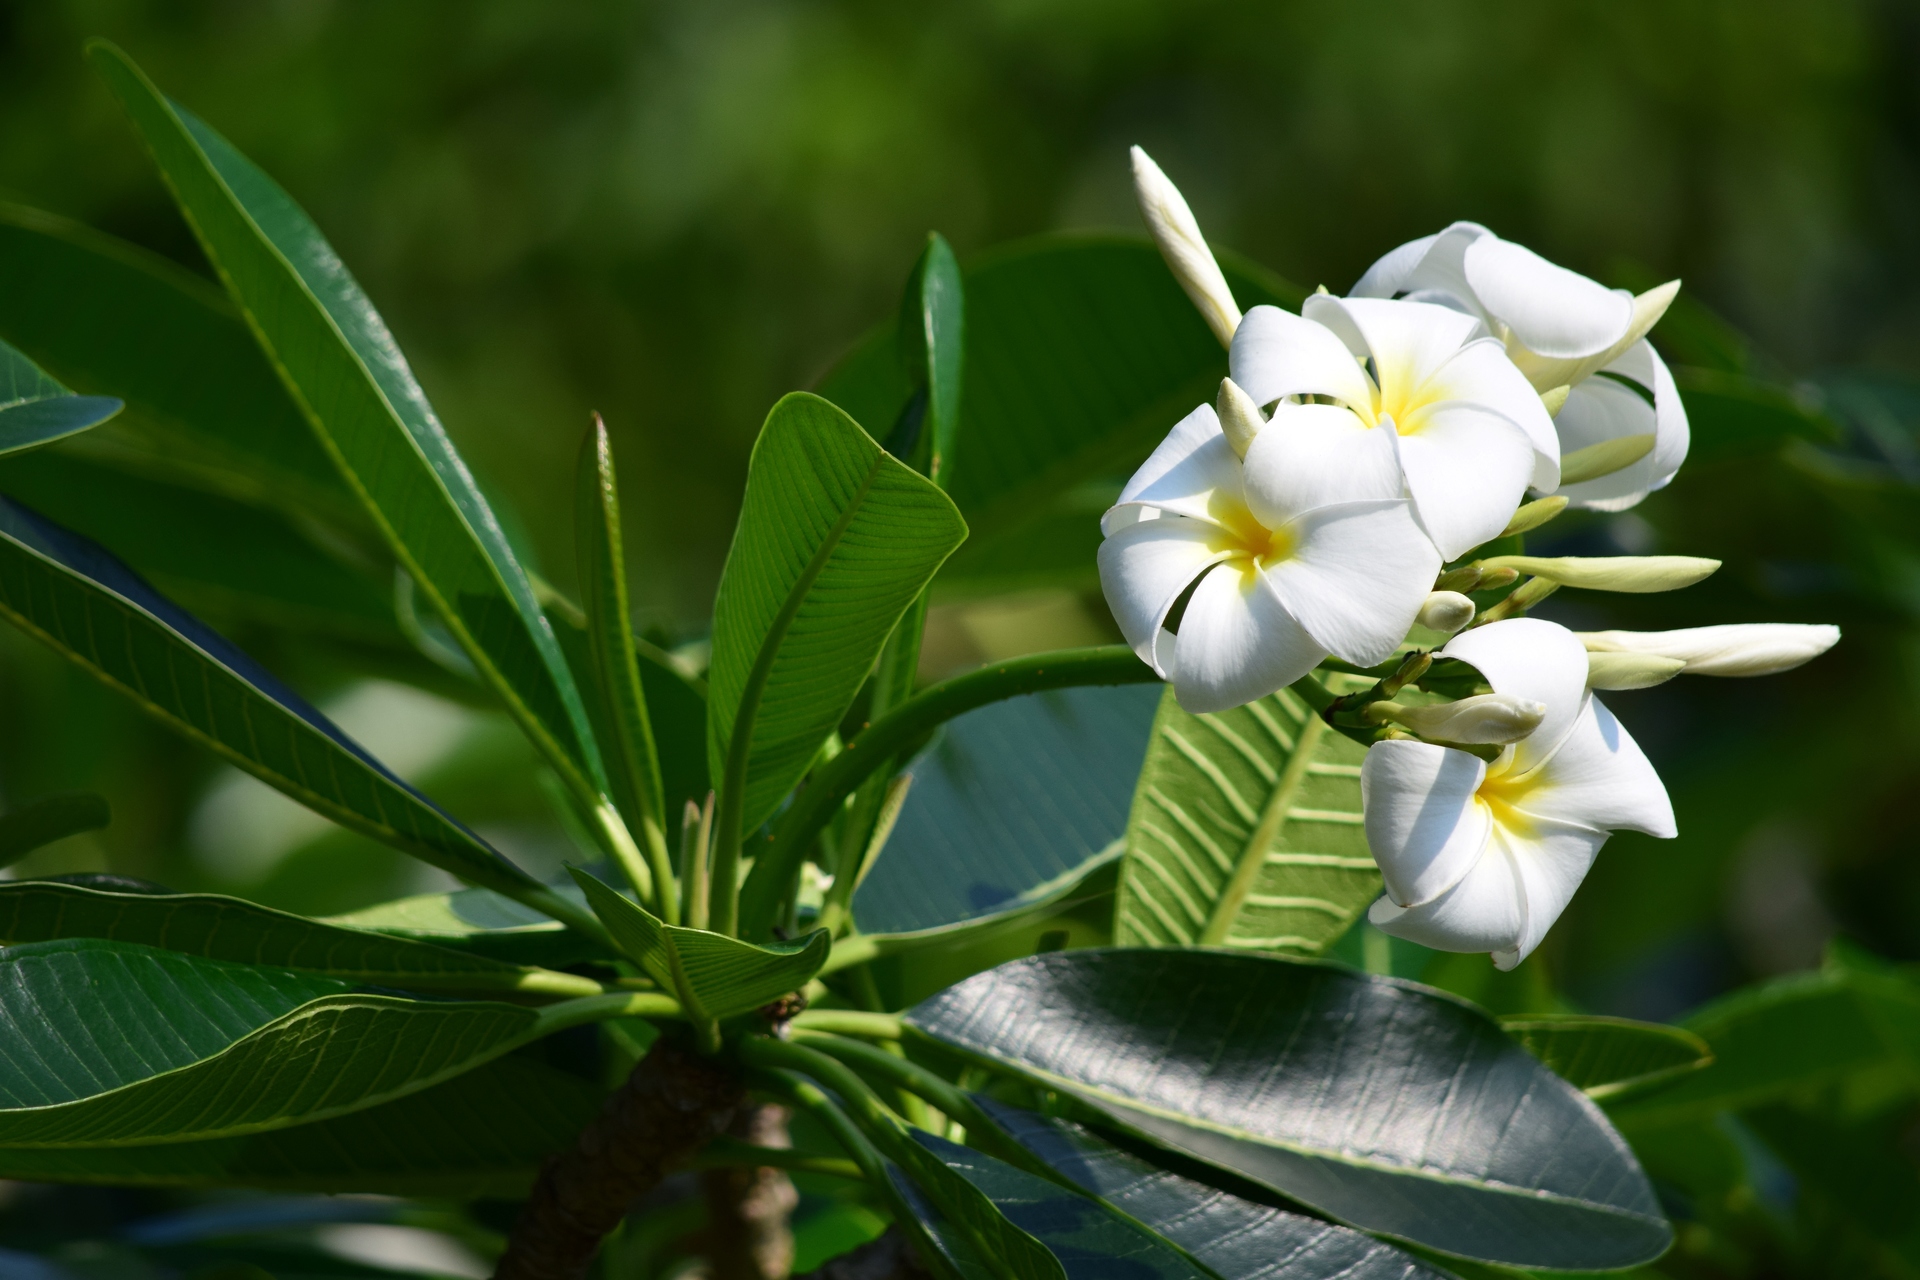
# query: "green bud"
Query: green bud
{"points": [[1555, 399], [1534, 514], [1604, 459], [1240, 417], [1638, 574], [1630, 670]]}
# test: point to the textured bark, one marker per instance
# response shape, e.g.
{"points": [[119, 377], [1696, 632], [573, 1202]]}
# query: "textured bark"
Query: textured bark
{"points": [[672, 1105], [748, 1235], [887, 1257]]}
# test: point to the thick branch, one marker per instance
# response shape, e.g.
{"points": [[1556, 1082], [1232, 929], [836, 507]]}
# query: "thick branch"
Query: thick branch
{"points": [[673, 1104], [749, 1236]]}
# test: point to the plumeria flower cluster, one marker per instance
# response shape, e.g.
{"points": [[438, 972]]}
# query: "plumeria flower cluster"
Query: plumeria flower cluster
{"points": [[1329, 502]]}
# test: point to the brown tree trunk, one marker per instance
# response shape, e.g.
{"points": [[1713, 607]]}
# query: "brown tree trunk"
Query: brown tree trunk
{"points": [[887, 1257], [749, 1236], [673, 1103]]}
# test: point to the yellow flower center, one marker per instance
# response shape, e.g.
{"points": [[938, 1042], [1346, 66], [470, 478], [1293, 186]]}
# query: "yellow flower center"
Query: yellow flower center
{"points": [[1247, 545], [1503, 791]]}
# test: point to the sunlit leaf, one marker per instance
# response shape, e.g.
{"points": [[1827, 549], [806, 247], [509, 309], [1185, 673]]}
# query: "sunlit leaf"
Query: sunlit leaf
{"points": [[1610, 1058]]}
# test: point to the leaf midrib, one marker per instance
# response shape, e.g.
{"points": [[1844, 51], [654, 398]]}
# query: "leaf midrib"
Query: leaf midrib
{"points": [[1253, 854]]}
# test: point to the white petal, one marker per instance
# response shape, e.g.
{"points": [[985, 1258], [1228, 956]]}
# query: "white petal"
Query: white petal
{"points": [[1237, 643], [1485, 911], [1671, 433], [1357, 575], [1441, 275], [1553, 311], [1143, 570], [1408, 341], [1172, 468], [1731, 649], [1553, 859], [1389, 275], [1481, 375], [1423, 826], [1467, 470], [1598, 410], [1310, 455], [1530, 658], [1276, 354], [1598, 777]]}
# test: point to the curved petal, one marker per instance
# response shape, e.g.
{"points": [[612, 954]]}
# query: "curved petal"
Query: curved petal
{"points": [[1598, 410], [1237, 643], [1553, 311], [1389, 275], [1485, 911], [1553, 858], [1277, 354], [1310, 455], [1467, 470], [1441, 274], [1481, 375], [1423, 825], [1530, 658], [1408, 341], [1672, 435], [1144, 568], [1598, 777], [1357, 575], [1173, 467]]}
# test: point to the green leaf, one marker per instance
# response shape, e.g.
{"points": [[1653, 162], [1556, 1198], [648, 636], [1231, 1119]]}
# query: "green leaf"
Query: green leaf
{"points": [[1088, 1241], [479, 921], [836, 538], [1609, 1058], [175, 1047], [1790, 1034], [1245, 832], [715, 976], [1731, 415], [481, 1134], [235, 931], [36, 410], [1007, 803], [1234, 1237], [340, 363], [69, 593], [677, 709], [633, 763], [28, 828], [108, 316], [962, 1218], [1385, 1105], [932, 342]]}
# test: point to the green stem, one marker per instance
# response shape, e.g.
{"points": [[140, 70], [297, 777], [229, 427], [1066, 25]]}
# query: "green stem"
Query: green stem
{"points": [[724, 1153], [851, 1022], [886, 737], [614, 1004], [579, 919]]}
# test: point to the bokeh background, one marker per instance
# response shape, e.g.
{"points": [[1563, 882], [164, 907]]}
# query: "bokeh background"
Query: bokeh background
{"points": [[674, 212]]}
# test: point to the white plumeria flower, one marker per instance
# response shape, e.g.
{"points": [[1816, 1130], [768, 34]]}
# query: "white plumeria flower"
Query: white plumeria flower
{"points": [[1481, 857], [1465, 437], [1279, 581], [1734, 649], [1560, 328]]}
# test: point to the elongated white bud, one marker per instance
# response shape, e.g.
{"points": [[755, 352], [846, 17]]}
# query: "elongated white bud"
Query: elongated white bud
{"points": [[1637, 574], [1240, 417], [1184, 248], [1630, 670], [1734, 649], [1446, 611], [1487, 719]]}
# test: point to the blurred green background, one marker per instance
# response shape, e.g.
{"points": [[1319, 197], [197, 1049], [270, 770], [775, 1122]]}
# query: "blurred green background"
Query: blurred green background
{"points": [[672, 213]]}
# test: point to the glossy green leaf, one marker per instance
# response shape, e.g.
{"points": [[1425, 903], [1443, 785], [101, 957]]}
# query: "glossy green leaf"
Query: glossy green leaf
{"points": [[1385, 1105], [1234, 1237], [714, 975], [483, 1133], [36, 410], [69, 593], [107, 316], [1245, 832], [29, 827], [961, 1218], [933, 327], [1055, 550], [211, 552], [1007, 803], [339, 361], [481, 922], [235, 931], [1792, 1033], [177, 1048], [836, 538], [1610, 1058], [1088, 1240]]}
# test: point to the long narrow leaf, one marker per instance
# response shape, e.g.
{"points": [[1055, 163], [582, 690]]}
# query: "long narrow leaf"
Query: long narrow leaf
{"points": [[342, 366], [36, 410], [69, 593]]}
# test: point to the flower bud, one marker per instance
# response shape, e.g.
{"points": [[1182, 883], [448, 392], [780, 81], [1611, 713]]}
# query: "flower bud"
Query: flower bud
{"points": [[1446, 611], [1182, 245], [1486, 719], [1605, 458], [1611, 573], [1630, 670], [1555, 399], [1240, 417], [1534, 514], [1735, 649]]}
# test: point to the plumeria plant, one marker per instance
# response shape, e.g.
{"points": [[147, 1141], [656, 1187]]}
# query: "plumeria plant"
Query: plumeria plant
{"points": [[1033, 963]]}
